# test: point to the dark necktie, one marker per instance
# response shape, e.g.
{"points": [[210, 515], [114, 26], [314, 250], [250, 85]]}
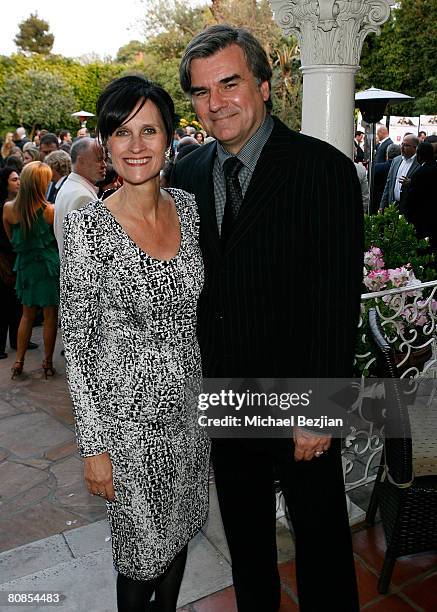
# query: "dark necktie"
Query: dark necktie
{"points": [[234, 196]]}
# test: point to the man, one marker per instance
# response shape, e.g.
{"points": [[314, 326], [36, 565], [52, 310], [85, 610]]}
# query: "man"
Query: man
{"points": [[422, 136], [421, 199], [65, 137], [88, 167], [48, 143], [20, 137], [60, 165], [281, 238], [358, 151], [380, 173], [384, 141], [399, 176], [82, 133]]}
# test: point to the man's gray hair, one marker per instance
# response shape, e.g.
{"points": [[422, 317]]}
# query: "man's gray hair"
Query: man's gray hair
{"points": [[393, 151], [81, 146], [218, 37], [59, 161]]}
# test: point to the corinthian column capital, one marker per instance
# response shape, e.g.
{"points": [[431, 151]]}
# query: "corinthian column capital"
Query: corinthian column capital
{"points": [[330, 31]]}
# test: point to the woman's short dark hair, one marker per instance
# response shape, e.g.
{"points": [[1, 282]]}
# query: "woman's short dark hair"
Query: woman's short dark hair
{"points": [[218, 37], [118, 100]]}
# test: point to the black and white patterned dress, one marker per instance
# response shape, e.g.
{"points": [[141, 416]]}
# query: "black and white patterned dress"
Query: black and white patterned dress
{"points": [[129, 330]]}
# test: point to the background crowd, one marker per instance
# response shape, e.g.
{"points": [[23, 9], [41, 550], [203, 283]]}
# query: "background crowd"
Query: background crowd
{"points": [[60, 173]]}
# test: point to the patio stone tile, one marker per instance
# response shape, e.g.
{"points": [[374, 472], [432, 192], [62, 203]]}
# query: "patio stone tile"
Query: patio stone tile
{"points": [[33, 557], [66, 449], [424, 592], [223, 601], [89, 538], [29, 435], [213, 528], [369, 544], [35, 523], [207, 571], [287, 603], [16, 478], [287, 574], [7, 409], [367, 583], [393, 603], [29, 498]]}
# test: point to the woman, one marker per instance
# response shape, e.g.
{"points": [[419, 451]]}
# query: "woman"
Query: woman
{"points": [[132, 274], [7, 146], [11, 308], [28, 223], [30, 154], [199, 136]]}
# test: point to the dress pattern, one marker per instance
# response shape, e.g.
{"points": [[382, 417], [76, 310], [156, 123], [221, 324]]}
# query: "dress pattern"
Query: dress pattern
{"points": [[129, 330]]}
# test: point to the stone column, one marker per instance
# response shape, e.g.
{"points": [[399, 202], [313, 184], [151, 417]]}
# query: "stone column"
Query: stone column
{"points": [[330, 35]]}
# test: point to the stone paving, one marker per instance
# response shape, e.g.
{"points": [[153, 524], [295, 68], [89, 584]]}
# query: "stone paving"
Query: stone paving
{"points": [[41, 486]]}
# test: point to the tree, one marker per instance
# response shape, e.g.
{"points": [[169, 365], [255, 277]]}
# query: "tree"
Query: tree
{"points": [[37, 97], [404, 57], [133, 52], [34, 36]]}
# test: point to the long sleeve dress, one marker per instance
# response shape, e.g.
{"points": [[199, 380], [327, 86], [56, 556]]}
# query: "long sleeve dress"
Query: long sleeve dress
{"points": [[129, 330]]}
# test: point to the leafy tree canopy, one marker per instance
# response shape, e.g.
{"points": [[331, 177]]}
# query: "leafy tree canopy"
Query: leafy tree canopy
{"points": [[132, 52], [404, 57], [33, 36], [36, 97]]}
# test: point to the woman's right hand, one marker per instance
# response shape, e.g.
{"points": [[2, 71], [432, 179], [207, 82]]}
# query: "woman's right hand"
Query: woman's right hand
{"points": [[98, 475]]}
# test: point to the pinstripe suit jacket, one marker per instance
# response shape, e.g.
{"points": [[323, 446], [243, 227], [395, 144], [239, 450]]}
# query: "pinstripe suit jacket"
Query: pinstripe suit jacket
{"points": [[283, 299]]}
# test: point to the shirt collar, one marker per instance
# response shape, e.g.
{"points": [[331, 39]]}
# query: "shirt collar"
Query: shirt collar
{"points": [[82, 179], [250, 152]]}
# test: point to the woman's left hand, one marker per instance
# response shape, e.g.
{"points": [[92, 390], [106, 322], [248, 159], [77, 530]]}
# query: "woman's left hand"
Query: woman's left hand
{"points": [[98, 476]]}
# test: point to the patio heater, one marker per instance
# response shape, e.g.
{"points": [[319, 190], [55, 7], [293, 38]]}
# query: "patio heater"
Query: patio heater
{"points": [[372, 104], [82, 116]]}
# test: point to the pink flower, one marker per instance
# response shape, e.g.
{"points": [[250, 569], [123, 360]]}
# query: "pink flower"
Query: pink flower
{"points": [[399, 277], [373, 258], [376, 280]]}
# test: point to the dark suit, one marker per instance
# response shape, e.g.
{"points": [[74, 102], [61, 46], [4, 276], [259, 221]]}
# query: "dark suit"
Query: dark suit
{"points": [[388, 196], [380, 173], [381, 151], [358, 153], [281, 301], [421, 202]]}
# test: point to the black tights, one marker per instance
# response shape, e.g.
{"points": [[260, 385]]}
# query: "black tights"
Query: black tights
{"points": [[134, 595]]}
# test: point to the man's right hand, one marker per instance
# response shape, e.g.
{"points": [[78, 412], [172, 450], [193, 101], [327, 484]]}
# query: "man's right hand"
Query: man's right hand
{"points": [[98, 476]]}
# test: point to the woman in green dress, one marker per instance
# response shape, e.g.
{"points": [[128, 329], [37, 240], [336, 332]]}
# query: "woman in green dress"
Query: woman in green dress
{"points": [[28, 222]]}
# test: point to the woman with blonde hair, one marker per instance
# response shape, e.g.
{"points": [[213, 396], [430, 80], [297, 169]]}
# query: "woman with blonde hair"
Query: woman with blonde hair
{"points": [[30, 153], [28, 223], [7, 146]]}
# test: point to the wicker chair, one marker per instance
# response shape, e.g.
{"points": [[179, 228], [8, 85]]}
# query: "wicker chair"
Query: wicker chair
{"points": [[405, 489]]}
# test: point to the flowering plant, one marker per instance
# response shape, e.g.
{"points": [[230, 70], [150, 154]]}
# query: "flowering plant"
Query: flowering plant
{"points": [[393, 256]]}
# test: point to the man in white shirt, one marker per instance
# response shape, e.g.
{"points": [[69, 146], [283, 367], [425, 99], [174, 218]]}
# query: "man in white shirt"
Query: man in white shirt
{"points": [[88, 167], [402, 169]]}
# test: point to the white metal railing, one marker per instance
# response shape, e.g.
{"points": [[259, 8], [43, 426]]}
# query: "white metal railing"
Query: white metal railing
{"points": [[409, 315]]}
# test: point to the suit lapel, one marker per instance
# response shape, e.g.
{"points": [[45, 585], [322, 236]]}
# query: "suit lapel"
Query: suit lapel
{"points": [[204, 190]]}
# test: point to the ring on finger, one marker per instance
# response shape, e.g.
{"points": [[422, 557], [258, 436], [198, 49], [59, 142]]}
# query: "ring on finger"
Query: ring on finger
{"points": [[319, 453]]}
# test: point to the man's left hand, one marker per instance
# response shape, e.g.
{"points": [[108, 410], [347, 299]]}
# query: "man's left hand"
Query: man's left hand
{"points": [[308, 445]]}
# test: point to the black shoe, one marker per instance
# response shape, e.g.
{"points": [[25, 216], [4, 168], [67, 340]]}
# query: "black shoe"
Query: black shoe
{"points": [[32, 346], [3, 355]]}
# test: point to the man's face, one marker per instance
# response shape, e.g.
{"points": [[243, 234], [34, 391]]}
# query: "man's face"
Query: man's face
{"points": [[359, 137], [408, 147], [92, 164], [228, 100], [82, 133], [47, 148], [67, 137]]}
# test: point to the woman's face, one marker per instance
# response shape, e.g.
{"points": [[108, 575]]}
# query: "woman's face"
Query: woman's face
{"points": [[199, 138], [138, 146], [27, 158], [13, 184]]}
